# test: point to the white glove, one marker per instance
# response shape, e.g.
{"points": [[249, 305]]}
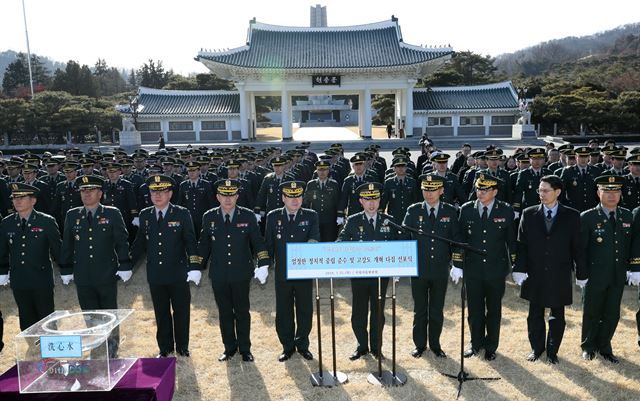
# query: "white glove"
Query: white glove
{"points": [[581, 283], [634, 278], [261, 273], [125, 275], [519, 278], [66, 278], [195, 276], [396, 279], [4, 279], [516, 215], [340, 221], [136, 221], [258, 217], [455, 274]]}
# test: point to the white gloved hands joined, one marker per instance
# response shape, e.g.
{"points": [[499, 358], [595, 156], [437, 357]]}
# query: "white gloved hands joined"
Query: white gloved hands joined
{"points": [[194, 276], [136, 221], [4, 279], [455, 274], [261, 273], [516, 215], [519, 278], [66, 278], [258, 217], [581, 283], [125, 275], [340, 221]]}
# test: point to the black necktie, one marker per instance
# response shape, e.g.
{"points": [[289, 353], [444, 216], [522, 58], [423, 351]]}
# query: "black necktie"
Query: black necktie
{"points": [[549, 215], [321, 186], [227, 221], [371, 222], [24, 224], [612, 219], [90, 217], [291, 217], [432, 215], [637, 180], [160, 218], [485, 213]]}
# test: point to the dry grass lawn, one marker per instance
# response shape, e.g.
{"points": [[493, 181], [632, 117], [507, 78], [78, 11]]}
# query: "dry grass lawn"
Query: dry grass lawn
{"points": [[202, 377]]}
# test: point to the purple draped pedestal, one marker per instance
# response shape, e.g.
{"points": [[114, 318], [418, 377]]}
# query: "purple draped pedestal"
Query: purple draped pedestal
{"points": [[148, 379]]}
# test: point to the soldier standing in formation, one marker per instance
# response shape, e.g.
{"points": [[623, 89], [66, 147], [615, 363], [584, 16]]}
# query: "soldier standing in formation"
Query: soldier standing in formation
{"points": [[322, 195], [606, 237], [486, 224], [368, 225], [525, 194], [579, 182], [196, 195], [28, 240], [167, 237], [430, 287], [289, 224], [400, 191], [230, 237]]}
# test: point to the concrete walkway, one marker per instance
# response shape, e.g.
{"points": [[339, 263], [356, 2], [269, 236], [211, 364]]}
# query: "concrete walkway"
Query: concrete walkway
{"points": [[325, 134]]}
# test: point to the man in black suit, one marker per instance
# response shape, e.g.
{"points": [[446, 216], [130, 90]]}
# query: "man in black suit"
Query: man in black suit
{"points": [[548, 246]]}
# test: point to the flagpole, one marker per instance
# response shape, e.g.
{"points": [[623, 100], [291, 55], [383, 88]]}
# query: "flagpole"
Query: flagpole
{"points": [[24, 14]]}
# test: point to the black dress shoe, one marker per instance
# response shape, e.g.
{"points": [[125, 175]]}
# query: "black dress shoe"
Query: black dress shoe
{"points": [[470, 352], [163, 354], [417, 352], [489, 355], [439, 353], [533, 356], [184, 352], [610, 357], [285, 356], [377, 355], [588, 355], [552, 359], [357, 355], [247, 356], [225, 356], [306, 354]]}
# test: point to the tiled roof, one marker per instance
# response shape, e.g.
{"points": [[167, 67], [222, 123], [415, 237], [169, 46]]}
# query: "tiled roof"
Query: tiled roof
{"points": [[480, 97], [173, 102], [365, 46]]}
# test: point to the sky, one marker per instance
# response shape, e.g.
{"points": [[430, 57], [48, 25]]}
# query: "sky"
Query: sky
{"points": [[127, 33]]}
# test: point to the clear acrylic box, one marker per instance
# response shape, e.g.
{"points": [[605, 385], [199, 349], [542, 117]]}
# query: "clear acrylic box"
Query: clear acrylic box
{"points": [[75, 351]]}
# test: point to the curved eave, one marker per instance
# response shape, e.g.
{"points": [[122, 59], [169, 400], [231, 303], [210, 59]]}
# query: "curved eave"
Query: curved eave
{"points": [[221, 69], [459, 111], [165, 116]]}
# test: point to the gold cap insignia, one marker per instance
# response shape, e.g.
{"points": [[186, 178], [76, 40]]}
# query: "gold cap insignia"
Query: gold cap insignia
{"points": [[293, 185], [227, 183], [612, 179], [85, 179]]}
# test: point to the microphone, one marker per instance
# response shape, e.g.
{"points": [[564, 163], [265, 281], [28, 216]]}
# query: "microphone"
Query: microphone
{"points": [[397, 226]]}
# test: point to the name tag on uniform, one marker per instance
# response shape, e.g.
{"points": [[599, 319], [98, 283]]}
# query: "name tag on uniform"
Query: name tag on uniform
{"points": [[626, 225], [385, 229], [173, 224], [37, 229], [103, 220]]}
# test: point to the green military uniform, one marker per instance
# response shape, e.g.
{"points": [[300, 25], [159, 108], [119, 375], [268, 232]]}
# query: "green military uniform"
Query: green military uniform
{"points": [[94, 248], [491, 229], [631, 186], [52, 181], [525, 193], [606, 238], [66, 197], [197, 197], [169, 241], [365, 290], [269, 195], [430, 287], [229, 243], [399, 193], [282, 228], [634, 259], [120, 194], [26, 247], [323, 197], [579, 184]]}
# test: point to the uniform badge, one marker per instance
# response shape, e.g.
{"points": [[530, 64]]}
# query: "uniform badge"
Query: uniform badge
{"points": [[278, 236], [575, 183], [186, 196], [393, 195], [213, 238], [315, 196], [530, 185], [77, 237], [270, 190], [599, 239], [469, 232], [279, 222], [77, 222], [10, 241], [361, 228], [420, 219]]}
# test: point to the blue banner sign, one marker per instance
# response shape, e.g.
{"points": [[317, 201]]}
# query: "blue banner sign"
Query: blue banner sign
{"points": [[61, 346], [322, 260]]}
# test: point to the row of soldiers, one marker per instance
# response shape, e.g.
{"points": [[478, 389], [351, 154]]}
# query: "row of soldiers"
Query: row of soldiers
{"points": [[321, 196]]}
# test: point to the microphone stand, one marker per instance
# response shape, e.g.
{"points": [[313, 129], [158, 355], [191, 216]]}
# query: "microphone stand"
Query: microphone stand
{"points": [[462, 376]]}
